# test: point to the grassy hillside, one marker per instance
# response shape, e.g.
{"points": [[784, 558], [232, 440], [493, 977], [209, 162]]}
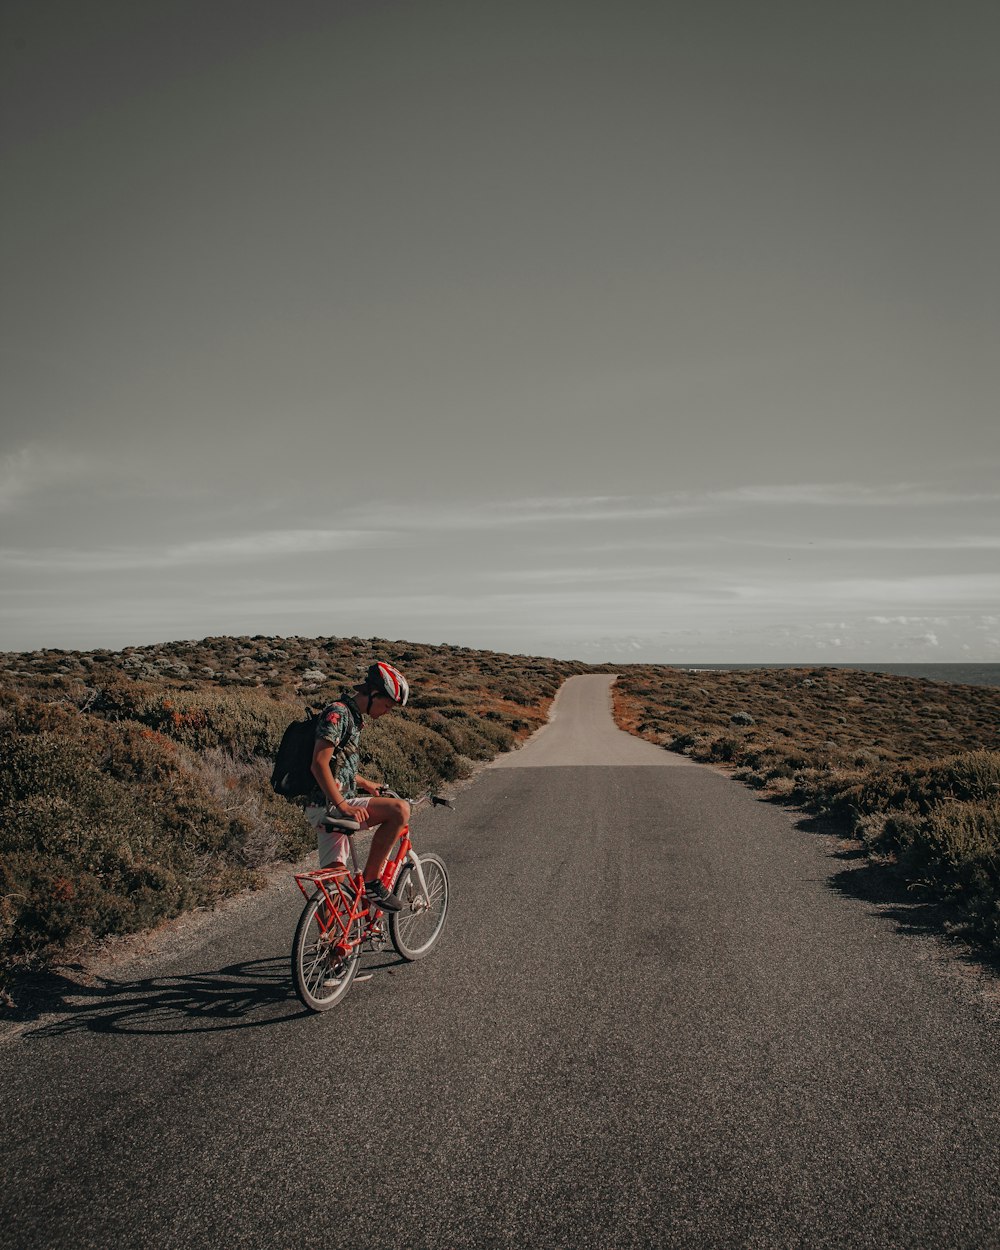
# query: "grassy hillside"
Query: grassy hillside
{"points": [[909, 767], [134, 784]]}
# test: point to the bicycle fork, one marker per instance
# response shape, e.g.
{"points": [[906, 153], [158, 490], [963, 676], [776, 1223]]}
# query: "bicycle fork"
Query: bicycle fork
{"points": [[414, 859]]}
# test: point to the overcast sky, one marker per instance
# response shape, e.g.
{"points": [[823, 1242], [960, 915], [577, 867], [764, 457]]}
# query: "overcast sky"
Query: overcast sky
{"points": [[648, 330]]}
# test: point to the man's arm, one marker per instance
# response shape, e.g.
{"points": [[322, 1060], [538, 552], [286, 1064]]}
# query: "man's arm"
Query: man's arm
{"points": [[323, 751]]}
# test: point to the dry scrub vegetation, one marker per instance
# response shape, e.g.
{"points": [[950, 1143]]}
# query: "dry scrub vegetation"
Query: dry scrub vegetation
{"points": [[909, 767], [134, 784]]}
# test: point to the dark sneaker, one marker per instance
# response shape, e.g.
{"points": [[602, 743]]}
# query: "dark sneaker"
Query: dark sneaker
{"points": [[376, 892]]}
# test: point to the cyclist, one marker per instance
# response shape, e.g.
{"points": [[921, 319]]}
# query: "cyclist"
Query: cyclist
{"points": [[335, 767]]}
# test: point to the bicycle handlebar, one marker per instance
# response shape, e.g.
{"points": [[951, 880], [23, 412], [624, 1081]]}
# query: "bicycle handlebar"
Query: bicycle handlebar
{"points": [[428, 796]]}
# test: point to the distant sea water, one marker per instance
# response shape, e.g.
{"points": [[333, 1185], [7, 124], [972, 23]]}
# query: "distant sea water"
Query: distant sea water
{"points": [[959, 674]]}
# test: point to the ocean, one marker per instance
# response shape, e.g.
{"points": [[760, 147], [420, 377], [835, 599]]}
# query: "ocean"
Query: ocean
{"points": [[958, 674]]}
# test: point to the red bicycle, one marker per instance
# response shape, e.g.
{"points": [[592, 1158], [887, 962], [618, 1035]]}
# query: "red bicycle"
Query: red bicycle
{"points": [[338, 920]]}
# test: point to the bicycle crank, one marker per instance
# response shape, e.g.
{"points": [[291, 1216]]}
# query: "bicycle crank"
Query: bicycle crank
{"points": [[378, 938]]}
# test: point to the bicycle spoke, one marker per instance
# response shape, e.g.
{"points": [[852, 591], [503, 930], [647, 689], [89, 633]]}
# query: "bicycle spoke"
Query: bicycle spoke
{"points": [[416, 928], [321, 977]]}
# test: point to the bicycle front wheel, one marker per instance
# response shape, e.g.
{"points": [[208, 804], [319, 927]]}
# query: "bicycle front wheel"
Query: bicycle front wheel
{"points": [[415, 930], [321, 977]]}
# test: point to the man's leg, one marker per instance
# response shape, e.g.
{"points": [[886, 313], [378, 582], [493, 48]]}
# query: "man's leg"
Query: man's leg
{"points": [[391, 816], [332, 848]]}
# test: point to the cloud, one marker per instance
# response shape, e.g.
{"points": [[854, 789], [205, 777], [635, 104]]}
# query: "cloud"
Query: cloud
{"points": [[571, 575], [909, 620], [240, 548], [872, 543], [945, 590], [918, 642], [746, 501], [269, 543], [524, 513], [777, 495], [847, 494]]}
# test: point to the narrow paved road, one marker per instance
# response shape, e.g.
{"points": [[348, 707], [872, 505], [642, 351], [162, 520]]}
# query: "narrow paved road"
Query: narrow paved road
{"points": [[653, 1021], [581, 731]]}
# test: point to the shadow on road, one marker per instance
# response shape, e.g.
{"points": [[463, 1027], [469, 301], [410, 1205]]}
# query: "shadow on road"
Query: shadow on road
{"points": [[867, 881], [254, 993]]}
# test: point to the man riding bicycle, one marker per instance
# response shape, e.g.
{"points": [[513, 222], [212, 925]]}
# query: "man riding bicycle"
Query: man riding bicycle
{"points": [[335, 767]]}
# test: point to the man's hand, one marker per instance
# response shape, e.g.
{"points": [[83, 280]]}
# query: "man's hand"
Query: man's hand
{"points": [[347, 811]]}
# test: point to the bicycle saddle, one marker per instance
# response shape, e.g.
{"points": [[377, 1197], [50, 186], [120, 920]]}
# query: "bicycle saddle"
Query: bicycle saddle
{"points": [[340, 825]]}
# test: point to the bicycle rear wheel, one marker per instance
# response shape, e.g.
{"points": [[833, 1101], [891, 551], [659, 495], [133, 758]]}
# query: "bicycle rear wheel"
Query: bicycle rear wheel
{"points": [[322, 978], [415, 930]]}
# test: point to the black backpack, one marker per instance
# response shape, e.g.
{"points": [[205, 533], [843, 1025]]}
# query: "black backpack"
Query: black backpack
{"points": [[292, 775]]}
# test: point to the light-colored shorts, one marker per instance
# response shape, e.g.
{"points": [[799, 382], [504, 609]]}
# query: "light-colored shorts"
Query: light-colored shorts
{"points": [[333, 847]]}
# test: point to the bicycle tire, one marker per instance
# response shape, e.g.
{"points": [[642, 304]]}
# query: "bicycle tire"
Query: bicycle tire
{"points": [[319, 984], [416, 929]]}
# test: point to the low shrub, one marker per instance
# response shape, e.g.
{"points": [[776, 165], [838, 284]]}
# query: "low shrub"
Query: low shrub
{"points": [[725, 749], [111, 827], [243, 720]]}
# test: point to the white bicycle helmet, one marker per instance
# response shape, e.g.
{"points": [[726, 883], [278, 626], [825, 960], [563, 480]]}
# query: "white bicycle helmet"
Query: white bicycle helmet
{"points": [[383, 677]]}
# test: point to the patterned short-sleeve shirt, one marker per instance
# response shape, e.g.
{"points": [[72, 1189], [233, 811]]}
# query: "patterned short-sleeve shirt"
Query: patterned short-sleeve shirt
{"points": [[341, 723]]}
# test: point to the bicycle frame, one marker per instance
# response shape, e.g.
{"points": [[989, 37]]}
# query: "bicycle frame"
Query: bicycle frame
{"points": [[342, 910]]}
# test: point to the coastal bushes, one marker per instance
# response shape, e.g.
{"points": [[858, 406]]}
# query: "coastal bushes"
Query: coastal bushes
{"points": [[909, 768], [939, 824], [111, 827]]}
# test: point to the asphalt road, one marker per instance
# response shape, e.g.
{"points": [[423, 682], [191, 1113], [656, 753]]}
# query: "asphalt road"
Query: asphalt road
{"points": [[659, 1016]]}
